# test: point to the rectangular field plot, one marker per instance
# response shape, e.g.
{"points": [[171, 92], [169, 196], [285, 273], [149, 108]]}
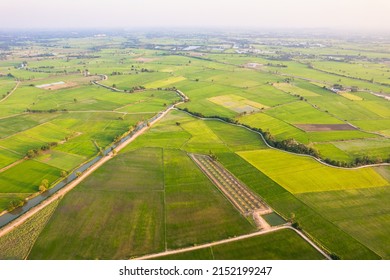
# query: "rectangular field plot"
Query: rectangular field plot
{"points": [[325, 127], [15, 179], [165, 82], [289, 88], [273, 219], [299, 174], [91, 224], [280, 129], [362, 213], [61, 160], [35, 137], [301, 112], [196, 212], [351, 96], [375, 147], [116, 213], [7, 158], [237, 103], [238, 194]]}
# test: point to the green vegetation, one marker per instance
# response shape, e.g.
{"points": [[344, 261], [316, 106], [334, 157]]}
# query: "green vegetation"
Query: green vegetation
{"points": [[273, 219], [196, 211], [107, 218], [323, 97], [281, 245], [16, 244], [301, 174], [362, 213]]}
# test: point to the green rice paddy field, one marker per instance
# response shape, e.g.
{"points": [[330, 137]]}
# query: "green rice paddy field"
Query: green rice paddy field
{"points": [[151, 197], [284, 244]]}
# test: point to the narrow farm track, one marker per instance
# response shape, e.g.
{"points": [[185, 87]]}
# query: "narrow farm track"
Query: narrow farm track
{"points": [[11, 92], [241, 237], [11, 116], [11, 165]]}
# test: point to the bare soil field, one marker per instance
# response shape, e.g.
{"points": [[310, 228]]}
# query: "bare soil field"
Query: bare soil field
{"points": [[325, 127], [57, 85]]}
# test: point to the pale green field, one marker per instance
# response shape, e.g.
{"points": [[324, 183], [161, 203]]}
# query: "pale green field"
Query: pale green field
{"points": [[292, 89], [300, 174], [237, 103]]}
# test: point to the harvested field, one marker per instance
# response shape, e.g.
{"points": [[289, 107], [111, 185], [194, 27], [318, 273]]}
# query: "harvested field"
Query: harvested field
{"points": [[238, 194], [325, 127]]}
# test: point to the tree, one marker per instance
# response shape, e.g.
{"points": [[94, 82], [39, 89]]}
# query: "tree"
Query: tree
{"points": [[15, 203], [44, 185], [64, 173], [212, 155]]}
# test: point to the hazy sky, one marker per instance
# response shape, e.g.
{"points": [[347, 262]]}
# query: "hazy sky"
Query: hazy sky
{"points": [[345, 14]]}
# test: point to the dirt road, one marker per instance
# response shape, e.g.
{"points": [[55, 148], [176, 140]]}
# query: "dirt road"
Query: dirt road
{"points": [[273, 229]]}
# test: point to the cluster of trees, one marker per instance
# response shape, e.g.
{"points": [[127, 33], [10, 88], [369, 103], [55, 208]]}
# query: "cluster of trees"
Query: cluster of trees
{"points": [[338, 86], [358, 161], [167, 89], [277, 65], [290, 145], [44, 185], [133, 89], [15, 203], [35, 152], [130, 130], [43, 70], [212, 155], [28, 110]]}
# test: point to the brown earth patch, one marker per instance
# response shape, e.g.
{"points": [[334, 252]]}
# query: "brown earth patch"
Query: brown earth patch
{"points": [[57, 85], [325, 127], [60, 86]]}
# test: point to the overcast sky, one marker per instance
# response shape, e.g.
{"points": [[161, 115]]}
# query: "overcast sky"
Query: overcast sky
{"points": [[341, 14]]}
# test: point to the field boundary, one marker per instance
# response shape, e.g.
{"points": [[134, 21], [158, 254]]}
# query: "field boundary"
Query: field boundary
{"points": [[11, 92], [229, 240], [21, 219], [269, 146]]}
